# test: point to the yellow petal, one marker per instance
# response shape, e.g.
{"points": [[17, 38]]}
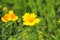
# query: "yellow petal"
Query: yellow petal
{"points": [[11, 12], [37, 20]]}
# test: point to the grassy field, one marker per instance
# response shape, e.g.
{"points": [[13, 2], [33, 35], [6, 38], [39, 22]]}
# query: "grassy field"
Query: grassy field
{"points": [[46, 28]]}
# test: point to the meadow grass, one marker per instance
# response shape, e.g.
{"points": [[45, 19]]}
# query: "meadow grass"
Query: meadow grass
{"points": [[47, 29]]}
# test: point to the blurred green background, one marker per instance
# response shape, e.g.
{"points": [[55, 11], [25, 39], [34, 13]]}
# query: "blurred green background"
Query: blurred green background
{"points": [[47, 29]]}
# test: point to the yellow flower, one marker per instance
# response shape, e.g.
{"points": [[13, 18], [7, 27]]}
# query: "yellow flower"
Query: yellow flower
{"points": [[6, 18], [30, 19], [12, 15], [5, 8]]}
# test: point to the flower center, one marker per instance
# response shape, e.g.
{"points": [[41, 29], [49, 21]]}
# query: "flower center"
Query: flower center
{"points": [[13, 16], [30, 20], [6, 17]]}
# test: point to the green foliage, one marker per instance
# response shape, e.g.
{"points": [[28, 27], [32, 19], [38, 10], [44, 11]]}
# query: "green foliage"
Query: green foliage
{"points": [[47, 10]]}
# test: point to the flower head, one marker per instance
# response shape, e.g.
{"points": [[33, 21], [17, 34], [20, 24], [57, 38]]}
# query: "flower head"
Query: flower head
{"points": [[5, 8], [6, 18], [9, 16], [12, 15], [30, 19]]}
